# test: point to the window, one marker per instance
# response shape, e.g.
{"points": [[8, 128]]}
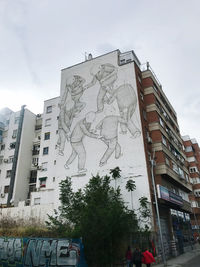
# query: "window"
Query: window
{"points": [[43, 181], [6, 189], [35, 161], [164, 141], [49, 109], [47, 122], [16, 120], [12, 145], [54, 162], [37, 201], [45, 150], [47, 136], [33, 177], [161, 122], [167, 161], [8, 173], [3, 147], [56, 131], [193, 169], [188, 149], [191, 159], [54, 179], [1, 160], [14, 135], [181, 173], [175, 167]]}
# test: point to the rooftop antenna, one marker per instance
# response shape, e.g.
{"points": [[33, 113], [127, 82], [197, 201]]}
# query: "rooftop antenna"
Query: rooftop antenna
{"points": [[86, 56]]}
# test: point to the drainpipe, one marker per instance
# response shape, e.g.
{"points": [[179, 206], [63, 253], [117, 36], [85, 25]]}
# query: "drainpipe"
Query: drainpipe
{"points": [[14, 166], [157, 208]]}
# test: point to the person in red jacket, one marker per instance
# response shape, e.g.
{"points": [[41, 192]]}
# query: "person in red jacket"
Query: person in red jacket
{"points": [[128, 257], [147, 258]]}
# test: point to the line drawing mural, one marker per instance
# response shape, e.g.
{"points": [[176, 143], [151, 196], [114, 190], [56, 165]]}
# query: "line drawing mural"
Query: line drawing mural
{"points": [[106, 75], [109, 135], [127, 101], [121, 98], [81, 129], [74, 86]]}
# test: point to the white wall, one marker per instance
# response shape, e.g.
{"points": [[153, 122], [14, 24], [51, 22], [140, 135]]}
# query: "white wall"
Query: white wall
{"points": [[7, 152], [132, 162], [37, 213], [24, 158]]}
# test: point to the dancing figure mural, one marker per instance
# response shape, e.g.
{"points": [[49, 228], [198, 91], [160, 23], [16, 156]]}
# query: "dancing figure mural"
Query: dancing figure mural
{"points": [[74, 86], [106, 75], [109, 135], [81, 129], [127, 101], [70, 106]]}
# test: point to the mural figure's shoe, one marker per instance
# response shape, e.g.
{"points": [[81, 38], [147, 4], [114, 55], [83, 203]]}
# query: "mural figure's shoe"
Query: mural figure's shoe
{"points": [[82, 170], [101, 164]]}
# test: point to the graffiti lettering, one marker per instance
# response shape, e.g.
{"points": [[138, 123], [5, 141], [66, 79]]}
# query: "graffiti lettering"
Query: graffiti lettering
{"points": [[37, 252], [11, 250]]}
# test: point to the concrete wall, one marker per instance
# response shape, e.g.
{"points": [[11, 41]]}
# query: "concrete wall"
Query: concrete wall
{"points": [[38, 213], [24, 159]]}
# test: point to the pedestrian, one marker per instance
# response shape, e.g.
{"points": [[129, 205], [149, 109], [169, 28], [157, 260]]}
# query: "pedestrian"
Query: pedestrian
{"points": [[137, 257], [147, 258], [128, 257]]}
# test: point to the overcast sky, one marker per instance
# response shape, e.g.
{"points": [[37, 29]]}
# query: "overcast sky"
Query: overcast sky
{"points": [[40, 37]]}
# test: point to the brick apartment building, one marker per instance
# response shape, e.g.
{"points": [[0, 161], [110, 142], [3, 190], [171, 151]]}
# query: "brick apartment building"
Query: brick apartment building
{"points": [[192, 152]]}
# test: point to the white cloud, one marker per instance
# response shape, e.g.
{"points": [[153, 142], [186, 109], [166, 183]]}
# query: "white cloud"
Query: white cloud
{"points": [[39, 38]]}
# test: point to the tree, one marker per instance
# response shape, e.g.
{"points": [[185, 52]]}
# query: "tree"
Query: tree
{"points": [[130, 186], [99, 215]]}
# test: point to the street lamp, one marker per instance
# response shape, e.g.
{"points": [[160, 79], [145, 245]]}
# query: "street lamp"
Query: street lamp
{"points": [[157, 210]]}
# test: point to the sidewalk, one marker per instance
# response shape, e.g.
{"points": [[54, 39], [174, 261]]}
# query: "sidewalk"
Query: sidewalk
{"points": [[182, 259]]}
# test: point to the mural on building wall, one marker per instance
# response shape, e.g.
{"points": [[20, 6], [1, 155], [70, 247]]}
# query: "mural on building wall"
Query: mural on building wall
{"points": [[35, 252], [81, 129], [73, 129]]}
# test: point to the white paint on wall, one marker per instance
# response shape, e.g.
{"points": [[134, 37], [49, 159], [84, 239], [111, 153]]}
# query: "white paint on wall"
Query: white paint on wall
{"points": [[92, 110]]}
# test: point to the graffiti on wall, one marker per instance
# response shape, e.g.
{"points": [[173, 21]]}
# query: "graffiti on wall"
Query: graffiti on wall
{"points": [[36, 252], [121, 97]]}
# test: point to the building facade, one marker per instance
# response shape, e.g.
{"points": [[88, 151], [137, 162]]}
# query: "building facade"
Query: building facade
{"points": [[111, 112], [192, 152]]}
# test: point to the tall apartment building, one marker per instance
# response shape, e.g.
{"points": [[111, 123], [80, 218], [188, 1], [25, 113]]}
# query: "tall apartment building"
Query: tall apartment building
{"points": [[17, 130], [192, 152], [111, 112]]}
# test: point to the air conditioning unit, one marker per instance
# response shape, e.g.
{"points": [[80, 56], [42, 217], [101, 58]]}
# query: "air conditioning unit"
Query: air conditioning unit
{"points": [[2, 195], [5, 160]]}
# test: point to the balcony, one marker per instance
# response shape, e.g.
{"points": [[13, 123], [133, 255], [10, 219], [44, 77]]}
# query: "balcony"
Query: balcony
{"points": [[35, 152]]}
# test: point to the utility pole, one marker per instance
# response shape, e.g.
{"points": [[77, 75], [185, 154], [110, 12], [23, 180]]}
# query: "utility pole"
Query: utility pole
{"points": [[157, 209]]}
